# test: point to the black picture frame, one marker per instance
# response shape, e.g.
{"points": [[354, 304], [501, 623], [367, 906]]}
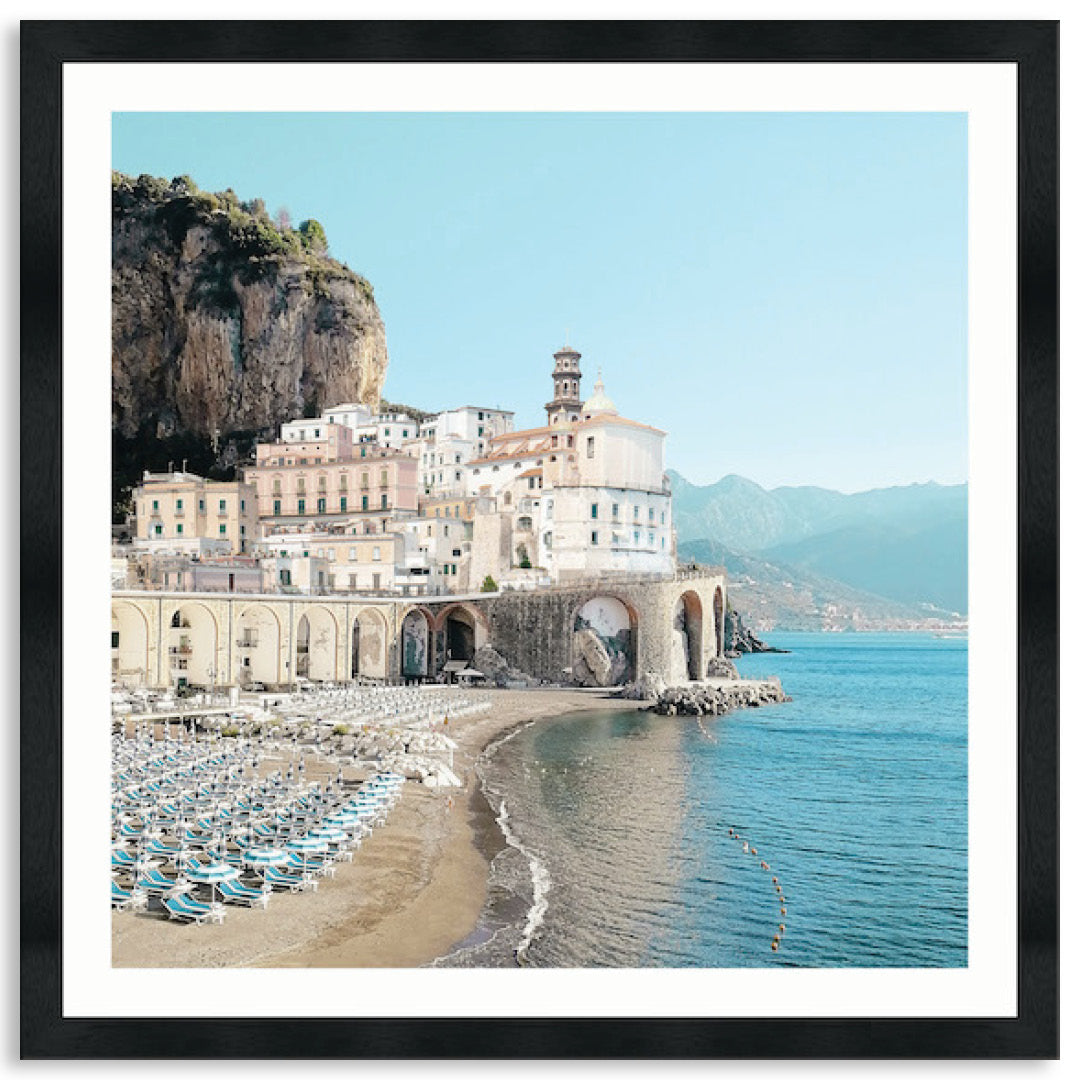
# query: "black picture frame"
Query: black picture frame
{"points": [[1032, 45]]}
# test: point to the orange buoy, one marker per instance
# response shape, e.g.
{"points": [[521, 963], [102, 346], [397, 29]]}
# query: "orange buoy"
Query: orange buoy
{"points": [[753, 851], [782, 928], [775, 945], [783, 911]]}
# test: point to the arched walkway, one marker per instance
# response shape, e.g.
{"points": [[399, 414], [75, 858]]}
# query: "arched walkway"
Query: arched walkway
{"points": [[604, 647], [465, 630], [316, 645], [258, 647], [416, 651], [686, 643], [368, 652], [193, 644], [130, 645]]}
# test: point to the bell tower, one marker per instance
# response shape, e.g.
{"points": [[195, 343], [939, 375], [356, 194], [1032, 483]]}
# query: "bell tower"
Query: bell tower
{"points": [[566, 402]]}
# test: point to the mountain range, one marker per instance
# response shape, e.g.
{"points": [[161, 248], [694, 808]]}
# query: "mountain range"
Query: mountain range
{"points": [[901, 545]]}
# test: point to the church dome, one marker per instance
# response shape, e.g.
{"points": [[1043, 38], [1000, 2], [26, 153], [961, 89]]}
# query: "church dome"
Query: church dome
{"points": [[599, 402]]}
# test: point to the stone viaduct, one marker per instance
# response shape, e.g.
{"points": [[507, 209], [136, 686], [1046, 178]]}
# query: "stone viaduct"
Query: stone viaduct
{"points": [[603, 631]]}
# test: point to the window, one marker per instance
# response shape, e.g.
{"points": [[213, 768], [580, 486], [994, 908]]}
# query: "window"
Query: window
{"points": [[179, 506], [663, 542], [506, 498], [590, 447], [285, 577], [301, 506], [480, 431], [344, 504], [637, 510], [202, 506], [301, 485], [652, 539], [614, 510], [116, 639], [320, 506], [595, 537], [595, 510], [277, 507], [376, 554], [457, 511], [243, 530], [652, 513], [453, 568], [363, 502], [570, 440], [382, 501], [179, 530], [446, 530], [456, 553], [662, 516], [157, 530], [376, 581], [322, 483], [363, 480], [637, 537], [243, 506], [343, 481], [277, 486], [221, 529], [155, 506], [316, 433], [446, 569], [352, 554], [330, 580], [352, 581]]}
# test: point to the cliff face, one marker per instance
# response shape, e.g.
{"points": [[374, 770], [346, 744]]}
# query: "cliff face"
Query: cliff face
{"points": [[225, 322]]}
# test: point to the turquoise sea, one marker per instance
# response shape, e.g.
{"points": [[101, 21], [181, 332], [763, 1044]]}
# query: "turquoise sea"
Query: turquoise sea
{"points": [[619, 825]]}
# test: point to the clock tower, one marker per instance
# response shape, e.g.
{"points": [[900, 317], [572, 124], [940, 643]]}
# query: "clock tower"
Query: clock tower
{"points": [[565, 405]]}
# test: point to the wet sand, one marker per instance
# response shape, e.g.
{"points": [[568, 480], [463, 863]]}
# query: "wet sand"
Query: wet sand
{"points": [[415, 888]]}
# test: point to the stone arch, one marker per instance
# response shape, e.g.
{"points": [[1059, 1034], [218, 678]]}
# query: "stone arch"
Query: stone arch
{"points": [[719, 614], [130, 645], [604, 646], [687, 660], [258, 645], [465, 629], [368, 646], [417, 628], [316, 645], [193, 646]]}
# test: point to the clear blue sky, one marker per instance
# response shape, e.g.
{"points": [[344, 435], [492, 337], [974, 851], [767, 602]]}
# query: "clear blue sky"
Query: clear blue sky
{"points": [[784, 294]]}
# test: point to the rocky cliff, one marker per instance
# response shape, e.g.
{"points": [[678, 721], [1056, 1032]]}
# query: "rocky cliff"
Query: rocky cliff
{"points": [[225, 321]]}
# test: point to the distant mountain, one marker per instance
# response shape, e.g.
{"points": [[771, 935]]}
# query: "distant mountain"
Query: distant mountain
{"points": [[770, 594], [907, 544]]}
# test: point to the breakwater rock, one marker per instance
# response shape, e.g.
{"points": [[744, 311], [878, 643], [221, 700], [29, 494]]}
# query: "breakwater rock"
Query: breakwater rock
{"points": [[707, 699]]}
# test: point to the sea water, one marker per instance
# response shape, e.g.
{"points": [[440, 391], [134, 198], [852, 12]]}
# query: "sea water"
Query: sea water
{"points": [[620, 825]]}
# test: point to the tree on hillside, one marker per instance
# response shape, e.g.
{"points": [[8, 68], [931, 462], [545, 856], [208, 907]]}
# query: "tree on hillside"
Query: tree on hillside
{"points": [[313, 236]]}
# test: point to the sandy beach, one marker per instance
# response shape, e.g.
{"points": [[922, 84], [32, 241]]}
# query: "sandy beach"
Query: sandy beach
{"points": [[415, 888]]}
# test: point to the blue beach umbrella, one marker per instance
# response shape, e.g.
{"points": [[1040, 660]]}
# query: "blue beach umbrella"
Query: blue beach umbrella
{"points": [[307, 845], [212, 874]]}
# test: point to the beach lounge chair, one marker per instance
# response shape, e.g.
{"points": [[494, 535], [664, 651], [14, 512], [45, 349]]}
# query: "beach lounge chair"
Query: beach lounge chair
{"points": [[235, 893], [196, 913], [322, 867], [273, 876], [154, 881], [122, 899]]}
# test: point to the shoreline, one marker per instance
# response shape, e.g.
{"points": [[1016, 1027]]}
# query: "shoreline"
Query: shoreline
{"points": [[415, 891]]}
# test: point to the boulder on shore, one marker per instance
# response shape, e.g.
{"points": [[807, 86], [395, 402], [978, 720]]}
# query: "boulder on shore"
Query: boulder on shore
{"points": [[703, 699]]}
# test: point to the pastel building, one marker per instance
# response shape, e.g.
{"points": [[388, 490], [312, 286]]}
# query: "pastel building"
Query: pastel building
{"points": [[187, 514], [325, 480]]}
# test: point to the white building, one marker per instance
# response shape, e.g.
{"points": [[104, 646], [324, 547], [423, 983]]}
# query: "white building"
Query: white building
{"points": [[449, 440], [584, 496]]}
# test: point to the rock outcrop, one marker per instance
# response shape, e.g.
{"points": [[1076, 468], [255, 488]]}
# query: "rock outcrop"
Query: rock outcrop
{"points": [[225, 322], [704, 699], [738, 639], [497, 670], [648, 688], [722, 667]]}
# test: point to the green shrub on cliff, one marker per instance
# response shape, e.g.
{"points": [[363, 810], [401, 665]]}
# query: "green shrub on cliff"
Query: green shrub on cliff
{"points": [[489, 585]]}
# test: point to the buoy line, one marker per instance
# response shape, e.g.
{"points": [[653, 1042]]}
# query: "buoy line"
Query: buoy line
{"points": [[750, 850]]}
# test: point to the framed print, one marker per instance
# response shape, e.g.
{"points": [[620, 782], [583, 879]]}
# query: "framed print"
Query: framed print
{"points": [[701, 701]]}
